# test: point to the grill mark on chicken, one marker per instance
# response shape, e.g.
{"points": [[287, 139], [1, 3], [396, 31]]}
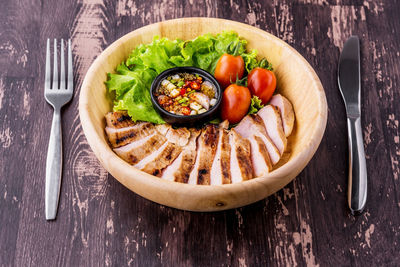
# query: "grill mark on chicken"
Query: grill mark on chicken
{"points": [[271, 117], [243, 156], [220, 169], [225, 155], [210, 139], [207, 146], [253, 125], [181, 167], [133, 159], [210, 136], [188, 158], [123, 118], [241, 167], [124, 138], [118, 137], [225, 159], [264, 152], [286, 112], [182, 175], [136, 151], [118, 119], [185, 178], [202, 177], [164, 159], [273, 151]]}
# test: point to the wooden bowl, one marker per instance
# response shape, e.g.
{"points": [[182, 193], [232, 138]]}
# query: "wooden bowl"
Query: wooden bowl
{"points": [[296, 80]]}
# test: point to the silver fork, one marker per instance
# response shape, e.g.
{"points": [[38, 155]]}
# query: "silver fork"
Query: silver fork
{"points": [[57, 96]]}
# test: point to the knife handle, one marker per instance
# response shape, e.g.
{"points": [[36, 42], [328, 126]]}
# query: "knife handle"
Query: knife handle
{"points": [[357, 186]]}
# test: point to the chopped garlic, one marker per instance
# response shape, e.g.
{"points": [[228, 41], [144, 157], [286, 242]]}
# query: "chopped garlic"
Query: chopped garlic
{"points": [[213, 102], [174, 93], [196, 106], [202, 110], [165, 82], [171, 86]]}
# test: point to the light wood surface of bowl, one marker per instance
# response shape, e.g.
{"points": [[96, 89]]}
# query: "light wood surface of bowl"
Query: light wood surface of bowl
{"points": [[296, 80]]}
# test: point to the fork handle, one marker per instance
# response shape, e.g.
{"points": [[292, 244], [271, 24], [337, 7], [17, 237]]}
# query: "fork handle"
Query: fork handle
{"points": [[357, 187], [53, 167]]}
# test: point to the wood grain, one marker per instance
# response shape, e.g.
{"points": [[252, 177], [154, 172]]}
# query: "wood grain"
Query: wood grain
{"points": [[101, 223]]}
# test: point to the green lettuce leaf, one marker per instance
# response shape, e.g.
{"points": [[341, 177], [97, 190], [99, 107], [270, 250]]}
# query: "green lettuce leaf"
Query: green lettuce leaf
{"points": [[250, 60], [137, 102], [255, 105], [132, 81], [119, 83], [132, 92]]}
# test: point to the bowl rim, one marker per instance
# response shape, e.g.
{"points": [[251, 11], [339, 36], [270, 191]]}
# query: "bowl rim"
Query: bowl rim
{"points": [[182, 118], [134, 177]]}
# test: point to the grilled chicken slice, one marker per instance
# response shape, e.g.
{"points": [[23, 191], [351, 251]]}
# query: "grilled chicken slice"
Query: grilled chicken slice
{"points": [[163, 128], [161, 158], [122, 136], [252, 125], [118, 119], [259, 156], [286, 110], [240, 162], [180, 169], [212, 155], [178, 136], [206, 148], [220, 169], [273, 125], [138, 150]]}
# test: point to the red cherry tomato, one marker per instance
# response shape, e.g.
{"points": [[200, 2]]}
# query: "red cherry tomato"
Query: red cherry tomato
{"points": [[228, 68], [262, 83], [183, 91], [235, 103]]}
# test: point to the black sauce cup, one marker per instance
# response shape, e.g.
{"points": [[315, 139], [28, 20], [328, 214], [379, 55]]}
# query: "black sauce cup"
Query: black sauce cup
{"points": [[189, 119]]}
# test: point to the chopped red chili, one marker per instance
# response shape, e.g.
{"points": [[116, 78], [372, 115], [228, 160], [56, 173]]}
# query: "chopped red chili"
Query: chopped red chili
{"points": [[195, 85], [185, 110]]}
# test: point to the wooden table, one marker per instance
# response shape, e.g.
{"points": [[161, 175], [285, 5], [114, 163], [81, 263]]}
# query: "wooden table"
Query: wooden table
{"points": [[102, 223]]}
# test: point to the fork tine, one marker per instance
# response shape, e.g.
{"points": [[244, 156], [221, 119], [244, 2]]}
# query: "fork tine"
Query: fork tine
{"points": [[70, 67], [47, 75], [55, 66], [62, 70]]}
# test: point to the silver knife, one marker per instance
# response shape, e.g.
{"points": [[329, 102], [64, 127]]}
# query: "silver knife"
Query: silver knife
{"points": [[350, 88]]}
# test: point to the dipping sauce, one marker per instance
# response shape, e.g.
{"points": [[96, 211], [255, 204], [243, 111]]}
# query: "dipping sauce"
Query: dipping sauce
{"points": [[186, 94]]}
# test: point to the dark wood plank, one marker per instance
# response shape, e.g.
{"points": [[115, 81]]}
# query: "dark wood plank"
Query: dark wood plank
{"points": [[102, 223], [18, 127]]}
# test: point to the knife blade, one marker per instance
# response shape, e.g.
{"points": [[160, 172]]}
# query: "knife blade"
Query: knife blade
{"points": [[350, 88]]}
